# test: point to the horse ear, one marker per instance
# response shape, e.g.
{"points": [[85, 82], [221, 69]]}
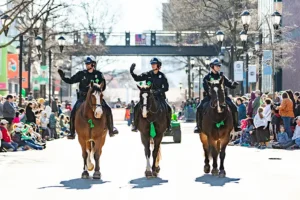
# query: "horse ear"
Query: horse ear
{"points": [[138, 87], [101, 85], [92, 84]]}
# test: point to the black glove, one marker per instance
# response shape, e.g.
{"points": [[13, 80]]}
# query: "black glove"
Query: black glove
{"points": [[61, 73], [132, 68], [235, 83]]}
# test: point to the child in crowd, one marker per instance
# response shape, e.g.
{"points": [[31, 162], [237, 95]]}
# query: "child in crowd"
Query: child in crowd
{"points": [[16, 120], [261, 125], [283, 140]]}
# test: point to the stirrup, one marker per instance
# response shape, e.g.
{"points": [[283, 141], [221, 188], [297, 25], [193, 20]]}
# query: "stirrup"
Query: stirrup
{"points": [[196, 129], [71, 136], [134, 129]]}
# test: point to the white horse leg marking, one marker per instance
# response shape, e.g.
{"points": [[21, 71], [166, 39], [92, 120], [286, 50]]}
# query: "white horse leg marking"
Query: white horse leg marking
{"points": [[144, 103], [98, 112], [89, 162], [148, 166]]}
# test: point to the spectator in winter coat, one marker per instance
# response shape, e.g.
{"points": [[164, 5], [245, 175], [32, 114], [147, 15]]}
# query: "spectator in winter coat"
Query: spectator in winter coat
{"points": [[7, 142], [241, 109], [286, 112], [9, 111], [250, 108], [268, 111], [31, 118], [261, 124], [256, 103]]}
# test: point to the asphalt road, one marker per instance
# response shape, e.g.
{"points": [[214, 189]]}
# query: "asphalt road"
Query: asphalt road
{"points": [[55, 172]]}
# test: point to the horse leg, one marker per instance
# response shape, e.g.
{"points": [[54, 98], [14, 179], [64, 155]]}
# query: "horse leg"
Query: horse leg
{"points": [[224, 144], [85, 174], [215, 149], [98, 151], [146, 143], [204, 141], [89, 151], [156, 156]]}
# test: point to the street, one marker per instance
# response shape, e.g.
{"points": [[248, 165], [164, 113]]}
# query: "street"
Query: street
{"points": [[55, 172]]}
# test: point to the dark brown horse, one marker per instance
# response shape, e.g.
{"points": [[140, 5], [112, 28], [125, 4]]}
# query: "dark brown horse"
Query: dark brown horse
{"points": [[90, 125], [152, 111], [217, 124]]}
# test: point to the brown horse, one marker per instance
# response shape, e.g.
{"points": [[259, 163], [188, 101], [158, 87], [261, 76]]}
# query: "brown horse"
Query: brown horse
{"points": [[90, 125], [152, 111], [217, 125]]}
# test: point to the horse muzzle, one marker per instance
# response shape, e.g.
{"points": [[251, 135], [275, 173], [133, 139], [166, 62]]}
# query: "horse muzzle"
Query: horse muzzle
{"points": [[98, 113]]}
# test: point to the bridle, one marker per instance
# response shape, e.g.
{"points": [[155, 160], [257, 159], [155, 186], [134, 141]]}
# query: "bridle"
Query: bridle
{"points": [[95, 106]]}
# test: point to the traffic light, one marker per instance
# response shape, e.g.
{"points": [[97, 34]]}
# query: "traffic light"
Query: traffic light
{"points": [[127, 38], [153, 38], [102, 38]]}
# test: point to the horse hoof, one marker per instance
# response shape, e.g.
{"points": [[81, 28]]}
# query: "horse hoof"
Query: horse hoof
{"points": [[215, 172], [154, 174], [148, 174], [91, 167], [206, 169], [222, 173], [157, 169], [85, 175], [97, 175]]}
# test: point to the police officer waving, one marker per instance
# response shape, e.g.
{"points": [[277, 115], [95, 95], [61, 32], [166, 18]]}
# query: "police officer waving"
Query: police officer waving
{"points": [[159, 85], [84, 79]]}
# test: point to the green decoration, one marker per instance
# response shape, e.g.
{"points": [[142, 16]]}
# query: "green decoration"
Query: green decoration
{"points": [[91, 123], [149, 83], [141, 83], [212, 79], [152, 130], [23, 92], [174, 117], [218, 125], [24, 131], [97, 81]]}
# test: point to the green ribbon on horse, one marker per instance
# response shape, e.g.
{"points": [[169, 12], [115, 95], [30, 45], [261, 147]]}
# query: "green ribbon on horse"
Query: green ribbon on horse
{"points": [[91, 123], [218, 125], [149, 83], [152, 130]]}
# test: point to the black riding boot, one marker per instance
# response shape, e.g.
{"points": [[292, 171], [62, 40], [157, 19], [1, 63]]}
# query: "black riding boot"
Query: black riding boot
{"points": [[71, 135], [135, 120], [110, 123], [198, 127], [235, 121]]}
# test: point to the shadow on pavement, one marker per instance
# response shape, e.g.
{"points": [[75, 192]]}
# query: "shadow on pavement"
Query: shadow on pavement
{"points": [[145, 183], [77, 184], [168, 143], [215, 180]]}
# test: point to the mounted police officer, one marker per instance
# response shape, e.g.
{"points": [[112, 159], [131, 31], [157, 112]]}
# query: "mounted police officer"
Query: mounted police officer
{"points": [[159, 85], [84, 79], [215, 74]]}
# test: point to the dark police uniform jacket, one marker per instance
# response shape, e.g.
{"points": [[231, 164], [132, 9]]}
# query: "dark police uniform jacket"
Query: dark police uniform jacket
{"points": [[84, 78], [158, 81], [228, 83]]}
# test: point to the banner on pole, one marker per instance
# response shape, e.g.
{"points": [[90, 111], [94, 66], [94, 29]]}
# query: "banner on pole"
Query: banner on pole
{"points": [[13, 66], [252, 73], [238, 70], [43, 78]]}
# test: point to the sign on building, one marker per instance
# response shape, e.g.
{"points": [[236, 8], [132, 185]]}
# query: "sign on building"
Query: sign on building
{"points": [[252, 73]]}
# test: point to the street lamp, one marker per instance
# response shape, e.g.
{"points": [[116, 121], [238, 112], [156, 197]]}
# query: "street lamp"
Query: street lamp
{"points": [[276, 18], [207, 61], [38, 42], [221, 56], [61, 43], [246, 18], [220, 36], [6, 20], [257, 46], [186, 69], [18, 50], [192, 62], [244, 36]]}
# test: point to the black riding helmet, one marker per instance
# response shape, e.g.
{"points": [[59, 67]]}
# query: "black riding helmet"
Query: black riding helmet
{"points": [[215, 61], [156, 61]]}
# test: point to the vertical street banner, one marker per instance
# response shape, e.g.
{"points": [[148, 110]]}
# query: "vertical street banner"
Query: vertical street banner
{"points": [[140, 39], [25, 79], [12, 66], [238, 71], [3, 69], [252, 73], [43, 77]]}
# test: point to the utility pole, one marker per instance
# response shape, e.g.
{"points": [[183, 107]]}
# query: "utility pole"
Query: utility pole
{"points": [[20, 70], [260, 60], [189, 76]]}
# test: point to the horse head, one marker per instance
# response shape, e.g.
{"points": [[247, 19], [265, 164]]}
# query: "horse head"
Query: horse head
{"points": [[144, 98], [95, 98], [217, 93]]}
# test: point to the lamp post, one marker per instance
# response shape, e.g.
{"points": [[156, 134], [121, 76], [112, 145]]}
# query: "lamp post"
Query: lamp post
{"points": [[244, 36], [20, 52], [276, 18], [188, 71], [246, 19]]}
